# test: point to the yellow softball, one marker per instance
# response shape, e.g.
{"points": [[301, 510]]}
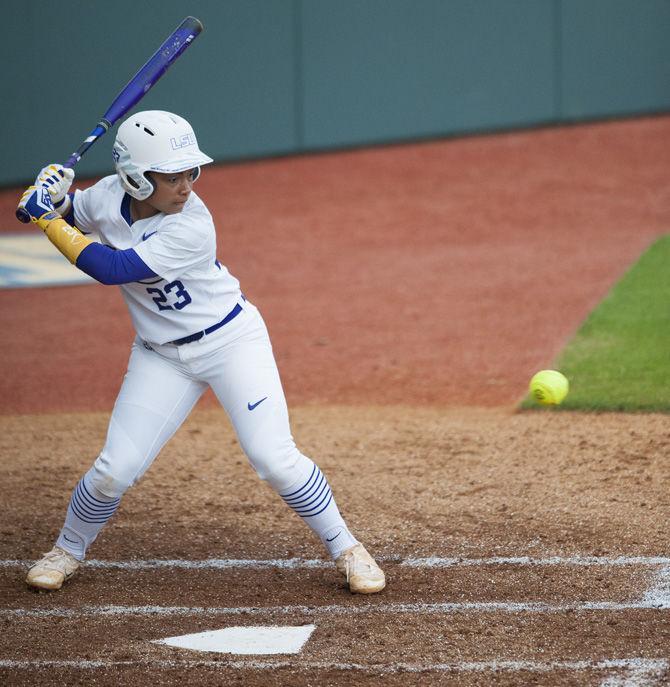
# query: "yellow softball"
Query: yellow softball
{"points": [[549, 387]]}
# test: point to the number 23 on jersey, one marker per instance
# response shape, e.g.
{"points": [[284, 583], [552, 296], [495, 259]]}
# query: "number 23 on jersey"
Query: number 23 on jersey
{"points": [[172, 296]]}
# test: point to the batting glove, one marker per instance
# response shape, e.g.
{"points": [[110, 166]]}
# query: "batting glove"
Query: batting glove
{"points": [[36, 201], [57, 180]]}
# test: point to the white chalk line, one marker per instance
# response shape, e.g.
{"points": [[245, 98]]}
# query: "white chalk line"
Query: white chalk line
{"points": [[616, 561], [659, 594], [657, 597], [336, 609], [636, 667], [300, 563], [638, 672], [205, 564]]}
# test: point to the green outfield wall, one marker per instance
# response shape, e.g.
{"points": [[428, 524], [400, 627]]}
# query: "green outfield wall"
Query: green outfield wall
{"points": [[270, 77]]}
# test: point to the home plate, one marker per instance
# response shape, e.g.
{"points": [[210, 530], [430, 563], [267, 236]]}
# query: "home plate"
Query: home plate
{"points": [[245, 640]]}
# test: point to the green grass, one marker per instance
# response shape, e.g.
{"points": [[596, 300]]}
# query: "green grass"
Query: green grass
{"points": [[619, 360]]}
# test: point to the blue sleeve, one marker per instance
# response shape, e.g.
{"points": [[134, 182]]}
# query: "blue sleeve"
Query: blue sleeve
{"points": [[109, 266]]}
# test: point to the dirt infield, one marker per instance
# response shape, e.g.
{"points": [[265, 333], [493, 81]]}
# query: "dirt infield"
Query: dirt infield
{"points": [[410, 292], [481, 488]]}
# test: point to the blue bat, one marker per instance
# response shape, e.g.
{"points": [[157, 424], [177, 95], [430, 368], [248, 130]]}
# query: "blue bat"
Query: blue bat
{"points": [[135, 89]]}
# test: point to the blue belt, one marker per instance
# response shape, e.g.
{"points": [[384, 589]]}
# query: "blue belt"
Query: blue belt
{"points": [[198, 335]]}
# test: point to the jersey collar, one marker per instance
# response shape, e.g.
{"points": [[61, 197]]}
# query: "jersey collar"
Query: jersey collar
{"points": [[125, 209]]}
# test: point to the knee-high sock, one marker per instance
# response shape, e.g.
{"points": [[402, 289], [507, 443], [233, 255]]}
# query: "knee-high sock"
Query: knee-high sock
{"points": [[311, 498], [87, 514]]}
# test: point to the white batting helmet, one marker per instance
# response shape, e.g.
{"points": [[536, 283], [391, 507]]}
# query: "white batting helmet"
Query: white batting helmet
{"points": [[154, 141]]}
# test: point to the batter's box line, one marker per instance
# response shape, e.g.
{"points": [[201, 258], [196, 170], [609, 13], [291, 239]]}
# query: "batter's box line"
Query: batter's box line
{"points": [[625, 672], [443, 608], [586, 561], [303, 563], [656, 597], [659, 594]]}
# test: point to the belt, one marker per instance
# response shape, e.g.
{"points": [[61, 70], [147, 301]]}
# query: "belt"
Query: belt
{"points": [[198, 335]]}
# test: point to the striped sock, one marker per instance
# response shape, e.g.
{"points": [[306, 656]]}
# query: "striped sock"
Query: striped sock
{"points": [[313, 500], [87, 514]]}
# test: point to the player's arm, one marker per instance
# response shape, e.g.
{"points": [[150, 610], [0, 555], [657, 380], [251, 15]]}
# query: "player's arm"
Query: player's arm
{"points": [[104, 264]]}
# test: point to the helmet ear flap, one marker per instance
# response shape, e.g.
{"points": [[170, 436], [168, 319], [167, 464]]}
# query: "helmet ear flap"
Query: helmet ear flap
{"points": [[147, 176], [133, 179], [134, 185], [196, 173]]}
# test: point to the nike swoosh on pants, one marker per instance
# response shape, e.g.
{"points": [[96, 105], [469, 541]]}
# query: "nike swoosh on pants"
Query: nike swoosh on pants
{"points": [[251, 406]]}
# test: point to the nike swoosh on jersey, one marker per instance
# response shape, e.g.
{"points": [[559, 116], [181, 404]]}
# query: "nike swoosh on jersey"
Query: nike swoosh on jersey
{"points": [[145, 236], [251, 406]]}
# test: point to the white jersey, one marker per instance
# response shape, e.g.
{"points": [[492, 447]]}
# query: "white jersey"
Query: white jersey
{"points": [[193, 291]]}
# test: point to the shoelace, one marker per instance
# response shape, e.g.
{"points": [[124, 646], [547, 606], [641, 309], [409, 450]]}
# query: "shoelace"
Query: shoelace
{"points": [[354, 563], [53, 558]]}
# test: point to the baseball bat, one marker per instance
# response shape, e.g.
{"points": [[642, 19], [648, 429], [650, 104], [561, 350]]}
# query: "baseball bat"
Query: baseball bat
{"points": [[135, 89]]}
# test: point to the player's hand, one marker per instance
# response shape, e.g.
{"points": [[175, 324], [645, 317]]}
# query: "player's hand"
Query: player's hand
{"points": [[36, 201], [57, 180]]}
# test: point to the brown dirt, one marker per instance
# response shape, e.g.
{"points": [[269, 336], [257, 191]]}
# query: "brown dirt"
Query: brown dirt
{"points": [[410, 291], [414, 483], [443, 273]]}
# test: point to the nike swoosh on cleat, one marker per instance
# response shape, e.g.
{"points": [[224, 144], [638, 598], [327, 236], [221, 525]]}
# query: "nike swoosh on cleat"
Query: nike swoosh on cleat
{"points": [[335, 537], [145, 236], [251, 406]]}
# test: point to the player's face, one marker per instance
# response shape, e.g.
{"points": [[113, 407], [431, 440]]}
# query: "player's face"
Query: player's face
{"points": [[172, 191]]}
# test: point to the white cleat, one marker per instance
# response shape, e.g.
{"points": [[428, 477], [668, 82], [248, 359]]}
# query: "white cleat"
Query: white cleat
{"points": [[51, 571], [363, 575]]}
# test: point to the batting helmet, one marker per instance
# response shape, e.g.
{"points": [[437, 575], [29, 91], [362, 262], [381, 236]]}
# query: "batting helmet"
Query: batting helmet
{"points": [[154, 141]]}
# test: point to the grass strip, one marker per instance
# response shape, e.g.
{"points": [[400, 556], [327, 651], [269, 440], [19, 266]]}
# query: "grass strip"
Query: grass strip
{"points": [[619, 359]]}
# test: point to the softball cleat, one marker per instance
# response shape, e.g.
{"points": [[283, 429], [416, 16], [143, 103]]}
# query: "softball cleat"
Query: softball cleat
{"points": [[51, 571], [363, 575]]}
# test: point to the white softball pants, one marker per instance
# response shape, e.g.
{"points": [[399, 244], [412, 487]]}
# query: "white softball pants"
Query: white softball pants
{"points": [[160, 388], [163, 384]]}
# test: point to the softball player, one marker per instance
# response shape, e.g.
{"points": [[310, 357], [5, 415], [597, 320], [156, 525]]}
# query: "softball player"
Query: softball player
{"points": [[145, 230]]}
